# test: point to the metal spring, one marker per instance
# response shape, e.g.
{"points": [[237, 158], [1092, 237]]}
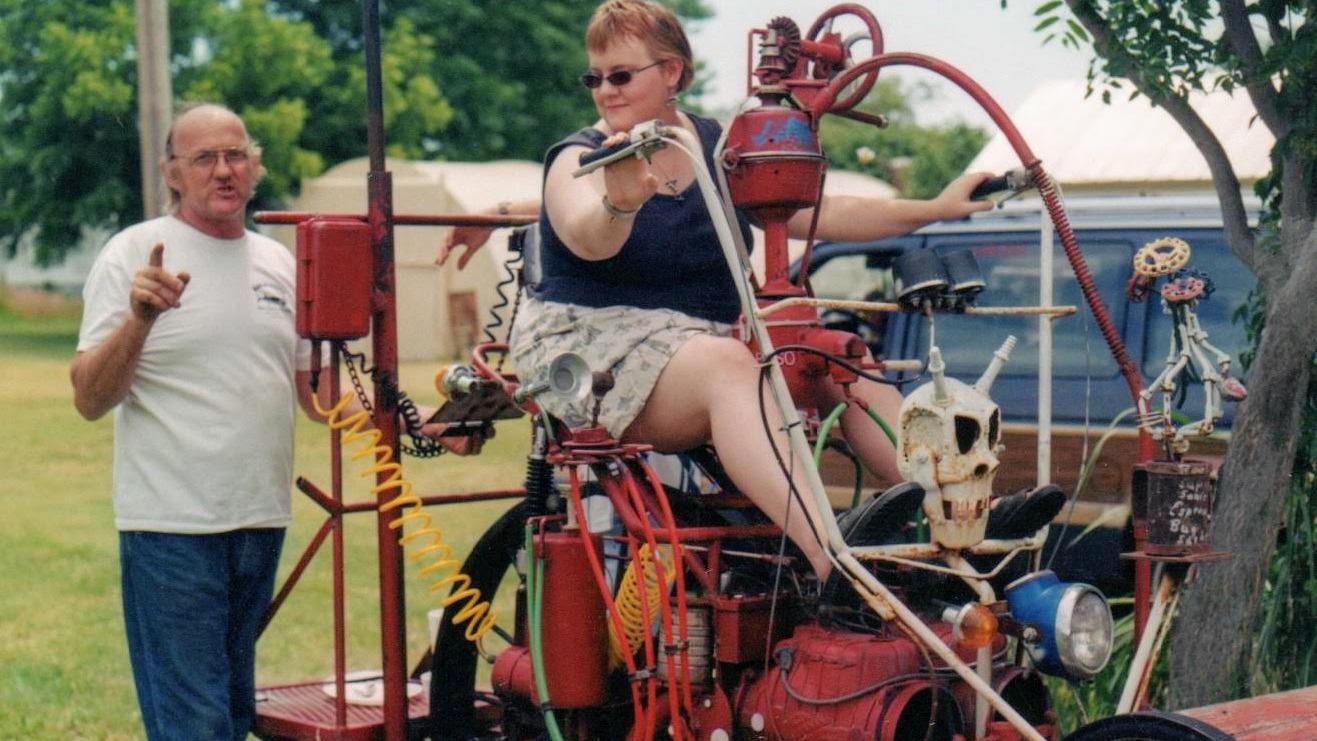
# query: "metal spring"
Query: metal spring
{"points": [[475, 611]]}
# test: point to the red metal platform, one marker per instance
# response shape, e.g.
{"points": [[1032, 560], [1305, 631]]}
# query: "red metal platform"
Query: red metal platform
{"points": [[304, 711], [1288, 716]]}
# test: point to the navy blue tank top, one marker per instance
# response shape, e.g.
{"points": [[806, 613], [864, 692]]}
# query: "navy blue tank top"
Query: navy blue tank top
{"points": [[672, 260]]}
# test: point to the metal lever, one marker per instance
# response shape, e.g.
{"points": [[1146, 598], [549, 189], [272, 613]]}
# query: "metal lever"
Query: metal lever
{"points": [[645, 139]]}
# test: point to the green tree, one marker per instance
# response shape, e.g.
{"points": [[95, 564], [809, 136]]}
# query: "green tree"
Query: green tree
{"points": [[918, 160], [1266, 50], [464, 79], [68, 76], [510, 70]]}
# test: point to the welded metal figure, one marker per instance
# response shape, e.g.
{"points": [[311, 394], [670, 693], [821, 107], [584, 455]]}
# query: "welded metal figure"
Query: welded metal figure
{"points": [[1191, 355]]}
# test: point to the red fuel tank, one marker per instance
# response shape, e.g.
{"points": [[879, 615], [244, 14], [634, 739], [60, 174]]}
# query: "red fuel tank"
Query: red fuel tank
{"points": [[574, 632]]}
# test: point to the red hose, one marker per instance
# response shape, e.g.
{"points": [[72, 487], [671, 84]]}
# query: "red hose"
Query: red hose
{"points": [[615, 490], [665, 610], [597, 569], [656, 485], [1047, 190]]}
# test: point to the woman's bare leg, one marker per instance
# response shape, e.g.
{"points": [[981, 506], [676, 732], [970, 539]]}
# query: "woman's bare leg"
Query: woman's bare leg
{"points": [[866, 438], [709, 392]]}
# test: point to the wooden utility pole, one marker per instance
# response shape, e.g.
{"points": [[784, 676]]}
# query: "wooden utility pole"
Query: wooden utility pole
{"points": [[154, 100]]}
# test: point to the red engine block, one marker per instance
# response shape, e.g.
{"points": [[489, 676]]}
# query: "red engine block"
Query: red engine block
{"points": [[845, 686]]}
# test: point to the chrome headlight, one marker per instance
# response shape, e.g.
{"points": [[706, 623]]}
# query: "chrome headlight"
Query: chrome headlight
{"points": [[1073, 620]]}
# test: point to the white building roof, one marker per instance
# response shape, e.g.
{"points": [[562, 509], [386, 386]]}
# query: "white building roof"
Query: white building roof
{"points": [[1083, 141]]}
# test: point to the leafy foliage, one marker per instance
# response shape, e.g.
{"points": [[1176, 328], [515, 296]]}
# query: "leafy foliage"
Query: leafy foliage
{"points": [[918, 160], [68, 94], [463, 80]]}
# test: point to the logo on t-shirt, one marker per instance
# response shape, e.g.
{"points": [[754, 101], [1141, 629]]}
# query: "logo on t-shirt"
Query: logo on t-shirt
{"points": [[271, 298]]}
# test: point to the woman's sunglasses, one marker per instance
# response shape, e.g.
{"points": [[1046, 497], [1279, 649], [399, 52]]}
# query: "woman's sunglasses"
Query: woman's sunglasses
{"points": [[616, 78]]}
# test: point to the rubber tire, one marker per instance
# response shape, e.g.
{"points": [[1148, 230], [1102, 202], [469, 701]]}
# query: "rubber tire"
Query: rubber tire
{"points": [[453, 665]]}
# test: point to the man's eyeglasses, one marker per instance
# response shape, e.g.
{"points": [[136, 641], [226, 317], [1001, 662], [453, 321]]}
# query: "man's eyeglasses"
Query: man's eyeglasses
{"points": [[206, 159], [616, 78]]}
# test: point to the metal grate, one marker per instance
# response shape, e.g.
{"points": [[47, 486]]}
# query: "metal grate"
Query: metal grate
{"points": [[304, 711]]}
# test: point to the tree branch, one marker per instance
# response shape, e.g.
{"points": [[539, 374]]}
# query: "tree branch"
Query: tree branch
{"points": [[1274, 11], [1224, 181], [1240, 34], [1296, 205]]}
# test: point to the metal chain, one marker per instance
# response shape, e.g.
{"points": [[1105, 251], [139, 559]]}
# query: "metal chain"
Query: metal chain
{"points": [[407, 411]]}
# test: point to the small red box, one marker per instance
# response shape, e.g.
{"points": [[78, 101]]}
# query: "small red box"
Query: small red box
{"points": [[742, 623], [334, 269]]}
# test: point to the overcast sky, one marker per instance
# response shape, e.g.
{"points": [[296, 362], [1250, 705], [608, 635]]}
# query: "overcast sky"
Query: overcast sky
{"points": [[996, 47]]}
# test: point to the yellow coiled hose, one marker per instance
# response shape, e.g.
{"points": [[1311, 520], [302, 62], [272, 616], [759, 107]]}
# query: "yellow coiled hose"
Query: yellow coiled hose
{"points": [[629, 604], [475, 613]]}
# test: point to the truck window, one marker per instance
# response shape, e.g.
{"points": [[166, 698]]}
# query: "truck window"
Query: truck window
{"points": [[1010, 267], [853, 278], [1231, 282]]}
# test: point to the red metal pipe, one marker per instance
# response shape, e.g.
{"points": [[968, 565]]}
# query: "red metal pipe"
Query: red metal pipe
{"points": [[393, 628], [338, 579], [297, 217], [480, 496], [329, 504], [296, 574]]}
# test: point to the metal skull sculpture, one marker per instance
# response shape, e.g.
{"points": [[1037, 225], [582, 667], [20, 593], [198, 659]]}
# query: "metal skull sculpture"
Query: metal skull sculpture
{"points": [[950, 437]]}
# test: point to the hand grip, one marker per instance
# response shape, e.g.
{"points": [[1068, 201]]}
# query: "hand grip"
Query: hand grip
{"points": [[990, 186], [612, 154]]}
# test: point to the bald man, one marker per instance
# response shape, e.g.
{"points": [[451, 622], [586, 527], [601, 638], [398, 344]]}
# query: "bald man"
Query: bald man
{"points": [[187, 333]]}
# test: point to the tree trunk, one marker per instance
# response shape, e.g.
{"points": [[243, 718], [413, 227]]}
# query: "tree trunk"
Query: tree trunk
{"points": [[1211, 649]]}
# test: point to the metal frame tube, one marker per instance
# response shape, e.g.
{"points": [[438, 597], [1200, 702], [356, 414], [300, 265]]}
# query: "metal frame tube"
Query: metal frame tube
{"points": [[393, 628]]}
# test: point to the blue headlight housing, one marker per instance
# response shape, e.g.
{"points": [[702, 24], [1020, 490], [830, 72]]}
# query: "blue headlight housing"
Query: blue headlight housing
{"points": [[1073, 620]]}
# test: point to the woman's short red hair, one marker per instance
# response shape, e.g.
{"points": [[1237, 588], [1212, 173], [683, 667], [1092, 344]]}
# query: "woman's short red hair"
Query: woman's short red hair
{"points": [[653, 24]]}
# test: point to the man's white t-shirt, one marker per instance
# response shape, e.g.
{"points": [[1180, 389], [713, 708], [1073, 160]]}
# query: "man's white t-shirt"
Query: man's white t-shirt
{"points": [[203, 443]]}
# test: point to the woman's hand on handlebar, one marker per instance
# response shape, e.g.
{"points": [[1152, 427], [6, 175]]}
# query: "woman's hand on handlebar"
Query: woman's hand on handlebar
{"points": [[628, 182], [956, 201]]}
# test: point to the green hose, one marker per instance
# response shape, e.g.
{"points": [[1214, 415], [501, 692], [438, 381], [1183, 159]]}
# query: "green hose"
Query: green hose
{"points": [[824, 429], [535, 590], [879, 421], [821, 443]]}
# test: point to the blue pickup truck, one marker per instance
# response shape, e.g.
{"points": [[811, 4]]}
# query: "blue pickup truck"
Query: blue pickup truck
{"points": [[1088, 392]]}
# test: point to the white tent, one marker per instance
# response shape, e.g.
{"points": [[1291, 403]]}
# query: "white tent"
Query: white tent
{"points": [[440, 311], [1128, 146]]}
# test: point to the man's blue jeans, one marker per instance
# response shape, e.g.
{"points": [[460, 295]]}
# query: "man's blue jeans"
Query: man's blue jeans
{"points": [[192, 605]]}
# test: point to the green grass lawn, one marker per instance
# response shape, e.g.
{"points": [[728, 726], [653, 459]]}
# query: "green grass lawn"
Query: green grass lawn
{"points": [[63, 662]]}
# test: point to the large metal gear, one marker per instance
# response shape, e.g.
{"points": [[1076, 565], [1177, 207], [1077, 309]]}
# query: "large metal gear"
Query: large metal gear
{"points": [[788, 40]]}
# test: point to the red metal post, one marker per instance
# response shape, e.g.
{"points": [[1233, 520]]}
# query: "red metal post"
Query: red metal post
{"points": [[393, 629], [340, 592]]}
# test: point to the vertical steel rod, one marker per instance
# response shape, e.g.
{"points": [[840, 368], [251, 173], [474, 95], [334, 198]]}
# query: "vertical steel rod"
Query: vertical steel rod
{"points": [[393, 629]]}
